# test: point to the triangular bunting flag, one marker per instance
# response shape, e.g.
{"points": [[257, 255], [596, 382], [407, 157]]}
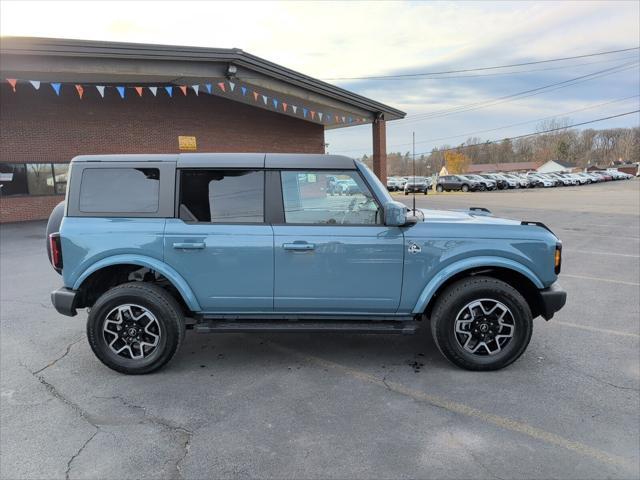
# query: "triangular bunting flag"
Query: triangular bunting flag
{"points": [[320, 115], [169, 90], [183, 89], [56, 88], [244, 91], [284, 106], [139, 90], [208, 87], [337, 118], [121, 91], [195, 88], [313, 114], [275, 103], [35, 83], [222, 87], [304, 112], [350, 119], [153, 90], [255, 96], [294, 108], [232, 86], [80, 91], [12, 82], [100, 89], [343, 120], [264, 99]]}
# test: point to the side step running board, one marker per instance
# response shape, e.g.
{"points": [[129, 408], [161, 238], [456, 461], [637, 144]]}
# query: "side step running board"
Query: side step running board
{"points": [[306, 326]]}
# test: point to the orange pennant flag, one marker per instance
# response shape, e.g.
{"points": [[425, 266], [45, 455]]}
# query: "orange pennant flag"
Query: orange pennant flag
{"points": [[12, 82], [284, 106], [255, 96], [183, 88], [80, 91], [222, 87], [139, 90], [313, 114]]}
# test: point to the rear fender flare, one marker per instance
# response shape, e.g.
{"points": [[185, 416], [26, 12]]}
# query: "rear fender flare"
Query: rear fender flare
{"points": [[468, 264], [152, 263]]}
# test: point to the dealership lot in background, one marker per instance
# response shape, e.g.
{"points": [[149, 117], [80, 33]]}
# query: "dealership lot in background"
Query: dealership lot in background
{"points": [[342, 406]]}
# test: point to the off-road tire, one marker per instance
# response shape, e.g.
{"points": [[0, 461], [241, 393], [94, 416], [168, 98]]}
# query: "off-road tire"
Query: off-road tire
{"points": [[459, 294], [153, 298]]}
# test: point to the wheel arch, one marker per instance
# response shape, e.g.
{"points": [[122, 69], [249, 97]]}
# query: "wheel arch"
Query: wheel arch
{"points": [[517, 275], [116, 270]]}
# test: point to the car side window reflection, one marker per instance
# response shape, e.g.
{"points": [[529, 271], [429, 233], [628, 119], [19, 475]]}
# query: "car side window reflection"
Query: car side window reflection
{"points": [[323, 197]]}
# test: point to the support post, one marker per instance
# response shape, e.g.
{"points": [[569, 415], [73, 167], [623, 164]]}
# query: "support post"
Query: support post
{"points": [[380, 149]]}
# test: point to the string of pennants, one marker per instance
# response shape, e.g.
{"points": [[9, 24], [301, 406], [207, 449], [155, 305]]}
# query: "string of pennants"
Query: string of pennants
{"points": [[226, 87]]}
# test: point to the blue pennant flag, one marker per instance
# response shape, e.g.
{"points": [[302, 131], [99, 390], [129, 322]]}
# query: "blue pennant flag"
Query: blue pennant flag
{"points": [[169, 90], [244, 91], [56, 88], [120, 91], [208, 85], [350, 119], [275, 103], [304, 112]]}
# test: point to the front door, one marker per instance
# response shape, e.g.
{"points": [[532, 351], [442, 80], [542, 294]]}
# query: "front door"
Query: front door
{"points": [[333, 254], [220, 243]]}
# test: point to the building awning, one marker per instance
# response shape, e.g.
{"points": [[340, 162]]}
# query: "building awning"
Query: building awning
{"points": [[229, 73]]}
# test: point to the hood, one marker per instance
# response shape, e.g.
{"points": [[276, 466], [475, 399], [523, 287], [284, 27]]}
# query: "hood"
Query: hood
{"points": [[464, 216]]}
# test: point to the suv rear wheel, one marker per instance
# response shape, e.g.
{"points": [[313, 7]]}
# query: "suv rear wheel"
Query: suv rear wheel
{"points": [[135, 328], [481, 323], [439, 188]]}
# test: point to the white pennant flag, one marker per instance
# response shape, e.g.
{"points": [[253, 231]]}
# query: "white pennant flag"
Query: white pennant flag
{"points": [[35, 83], [320, 115], [232, 86], [195, 88], [294, 108], [101, 90], [153, 90], [264, 99]]}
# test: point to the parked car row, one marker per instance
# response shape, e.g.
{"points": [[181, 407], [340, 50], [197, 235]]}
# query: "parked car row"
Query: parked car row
{"points": [[409, 184], [502, 181]]}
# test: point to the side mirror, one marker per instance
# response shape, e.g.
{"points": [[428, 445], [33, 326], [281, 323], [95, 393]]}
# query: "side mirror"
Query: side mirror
{"points": [[395, 215]]}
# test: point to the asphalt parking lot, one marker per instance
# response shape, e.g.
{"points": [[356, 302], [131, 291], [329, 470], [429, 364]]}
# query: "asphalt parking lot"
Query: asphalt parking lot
{"points": [[341, 406]]}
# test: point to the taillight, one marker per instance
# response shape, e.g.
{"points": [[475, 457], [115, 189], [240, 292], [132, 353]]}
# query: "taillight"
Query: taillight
{"points": [[558, 258], [56, 251]]}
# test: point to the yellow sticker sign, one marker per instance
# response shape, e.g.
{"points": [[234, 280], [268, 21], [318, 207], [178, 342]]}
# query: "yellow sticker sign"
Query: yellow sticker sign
{"points": [[186, 143]]}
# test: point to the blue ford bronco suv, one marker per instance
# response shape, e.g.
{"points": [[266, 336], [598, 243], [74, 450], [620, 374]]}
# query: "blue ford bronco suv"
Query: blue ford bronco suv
{"points": [[153, 245]]}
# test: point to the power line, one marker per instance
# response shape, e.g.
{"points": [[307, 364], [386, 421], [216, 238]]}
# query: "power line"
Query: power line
{"points": [[505, 126], [495, 67], [518, 95], [491, 142]]}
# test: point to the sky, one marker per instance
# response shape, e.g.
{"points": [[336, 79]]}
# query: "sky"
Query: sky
{"points": [[336, 41]]}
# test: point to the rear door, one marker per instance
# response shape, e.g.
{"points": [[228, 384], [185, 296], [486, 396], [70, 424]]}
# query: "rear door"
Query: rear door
{"points": [[333, 254], [220, 243]]}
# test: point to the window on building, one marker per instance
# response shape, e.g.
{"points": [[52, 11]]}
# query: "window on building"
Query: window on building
{"points": [[222, 196], [14, 179], [33, 178], [328, 198], [120, 190]]}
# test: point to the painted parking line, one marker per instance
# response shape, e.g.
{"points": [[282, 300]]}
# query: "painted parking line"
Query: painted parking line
{"points": [[588, 252], [597, 329], [598, 279], [462, 409]]}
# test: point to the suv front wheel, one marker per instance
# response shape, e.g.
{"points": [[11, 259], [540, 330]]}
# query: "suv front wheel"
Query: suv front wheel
{"points": [[481, 323], [135, 328]]}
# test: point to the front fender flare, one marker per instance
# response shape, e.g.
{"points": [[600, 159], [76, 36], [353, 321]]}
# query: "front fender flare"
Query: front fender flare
{"points": [[153, 263], [467, 264]]}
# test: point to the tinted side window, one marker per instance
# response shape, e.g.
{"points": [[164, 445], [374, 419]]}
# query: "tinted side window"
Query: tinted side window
{"points": [[222, 196], [328, 198], [120, 190]]}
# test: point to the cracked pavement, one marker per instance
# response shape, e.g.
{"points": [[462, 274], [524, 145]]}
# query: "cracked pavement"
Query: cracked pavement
{"points": [[339, 406]]}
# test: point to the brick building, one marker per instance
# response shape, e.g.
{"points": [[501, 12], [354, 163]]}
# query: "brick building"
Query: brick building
{"points": [[61, 98]]}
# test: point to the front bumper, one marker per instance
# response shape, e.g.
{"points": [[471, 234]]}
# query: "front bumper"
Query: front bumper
{"points": [[64, 300], [552, 300]]}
